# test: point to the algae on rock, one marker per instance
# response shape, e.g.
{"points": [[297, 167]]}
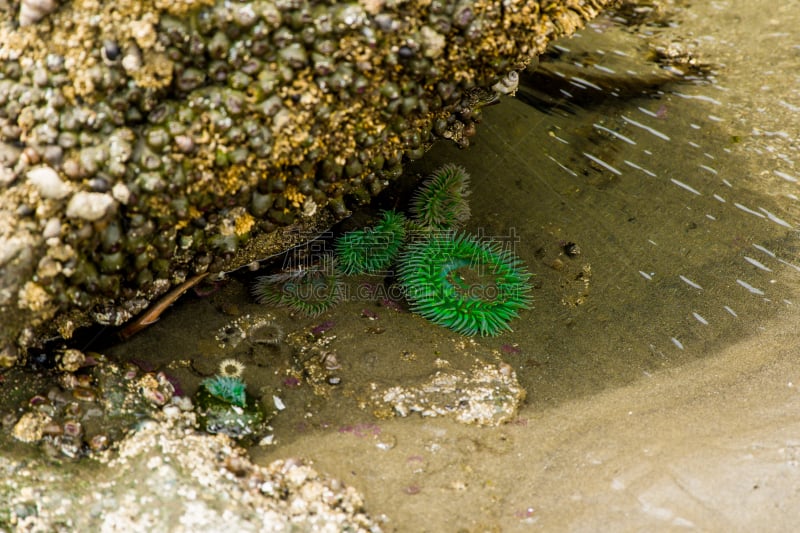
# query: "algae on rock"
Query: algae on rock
{"points": [[144, 142]]}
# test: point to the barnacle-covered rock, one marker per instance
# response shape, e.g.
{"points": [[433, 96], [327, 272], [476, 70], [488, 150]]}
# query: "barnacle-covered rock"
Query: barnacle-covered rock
{"points": [[144, 142]]}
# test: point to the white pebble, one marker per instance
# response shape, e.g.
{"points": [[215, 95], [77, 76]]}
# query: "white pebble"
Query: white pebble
{"points": [[121, 193], [184, 402], [48, 182], [10, 247], [7, 175], [89, 205], [32, 11], [171, 411], [52, 228]]}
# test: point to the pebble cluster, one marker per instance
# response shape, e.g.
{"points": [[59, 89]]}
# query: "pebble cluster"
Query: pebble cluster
{"points": [[89, 406], [142, 142], [169, 477]]}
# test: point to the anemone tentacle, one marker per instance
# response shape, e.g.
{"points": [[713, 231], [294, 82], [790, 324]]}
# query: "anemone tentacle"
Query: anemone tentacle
{"points": [[372, 250], [440, 203], [230, 389], [311, 289]]}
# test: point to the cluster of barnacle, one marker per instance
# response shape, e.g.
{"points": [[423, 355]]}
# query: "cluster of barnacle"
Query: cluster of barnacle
{"points": [[166, 144]]}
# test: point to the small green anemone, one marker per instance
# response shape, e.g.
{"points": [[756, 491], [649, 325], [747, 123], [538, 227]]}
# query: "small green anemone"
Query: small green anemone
{"points": [[471, 287], [440, 203], [223, 406], [230, 389], [311, 289], [373, 249]]}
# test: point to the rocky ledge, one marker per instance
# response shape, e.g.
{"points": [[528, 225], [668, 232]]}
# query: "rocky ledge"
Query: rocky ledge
{"points": [[143, 143]]}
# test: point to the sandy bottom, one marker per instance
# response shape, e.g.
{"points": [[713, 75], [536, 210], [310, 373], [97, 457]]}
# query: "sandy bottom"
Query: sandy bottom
{"points": [[712, 445]]}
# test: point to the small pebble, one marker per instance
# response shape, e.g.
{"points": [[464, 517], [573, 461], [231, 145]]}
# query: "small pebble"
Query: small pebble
{"points": [[279, 405], [89, 205], [171, 411], [48, 182]]}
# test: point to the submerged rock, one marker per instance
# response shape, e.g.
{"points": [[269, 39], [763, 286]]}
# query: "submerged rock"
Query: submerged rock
{"points": [[145, 142], [487, 395], [224, 406], [89, 405]]}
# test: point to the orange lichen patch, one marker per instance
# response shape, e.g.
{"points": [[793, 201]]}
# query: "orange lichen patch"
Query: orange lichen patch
{"points": [[191, 213], [294, 196], [243, 222], [230, 180], [156, 71]]}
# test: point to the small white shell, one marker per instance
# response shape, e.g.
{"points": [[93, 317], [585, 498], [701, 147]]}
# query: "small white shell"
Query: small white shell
{"points": [[309, 207], [279, 405], [508, 85], [32, 11]]}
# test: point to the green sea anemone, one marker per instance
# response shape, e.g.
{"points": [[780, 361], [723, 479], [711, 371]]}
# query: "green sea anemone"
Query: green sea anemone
{"points": [[230, 389], [374, 249], [311, 289], [471, 287], [440, 203]]}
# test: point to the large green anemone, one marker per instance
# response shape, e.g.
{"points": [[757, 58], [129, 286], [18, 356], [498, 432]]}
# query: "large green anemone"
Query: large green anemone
{"points": [[311, 289], [441, 202], [459, 282], [372, 250]]}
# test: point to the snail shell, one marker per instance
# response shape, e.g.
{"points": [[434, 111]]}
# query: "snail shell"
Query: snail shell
{"points": [[508, 84]]}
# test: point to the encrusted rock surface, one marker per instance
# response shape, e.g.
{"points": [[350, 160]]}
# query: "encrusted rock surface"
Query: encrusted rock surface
{"points": [[488, 395], [144, 142], [168, 477], [89, 405]]}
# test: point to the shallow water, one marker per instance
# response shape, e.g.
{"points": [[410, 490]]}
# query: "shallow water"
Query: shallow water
{"points": [[672, 324]]}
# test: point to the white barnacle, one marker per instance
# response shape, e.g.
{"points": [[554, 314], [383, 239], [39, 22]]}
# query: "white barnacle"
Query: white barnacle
{"points": [[309, 207]]}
